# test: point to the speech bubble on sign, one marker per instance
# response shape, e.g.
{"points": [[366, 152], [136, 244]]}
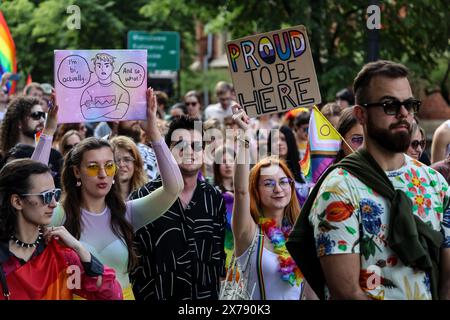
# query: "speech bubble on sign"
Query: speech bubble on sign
{"points": [[74, 72], [131, 74]]}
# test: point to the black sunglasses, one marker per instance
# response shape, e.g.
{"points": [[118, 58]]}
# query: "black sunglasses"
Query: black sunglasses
{"points": [[195, 145], [416, 143], [68, 147], [46, 196], [37, 115], [392, 107]]}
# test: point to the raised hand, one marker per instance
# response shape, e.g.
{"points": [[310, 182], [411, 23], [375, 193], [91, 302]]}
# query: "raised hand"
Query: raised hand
{"points": [[150, 126], [5, 78], [240, 117], [152, 104], [51, 122]]}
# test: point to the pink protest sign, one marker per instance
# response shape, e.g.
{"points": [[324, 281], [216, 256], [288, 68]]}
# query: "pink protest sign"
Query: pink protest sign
{"points": [[100, 85]]}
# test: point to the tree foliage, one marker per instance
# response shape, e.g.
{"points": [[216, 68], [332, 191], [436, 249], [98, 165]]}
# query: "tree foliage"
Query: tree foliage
{"points": [[413, 32]]}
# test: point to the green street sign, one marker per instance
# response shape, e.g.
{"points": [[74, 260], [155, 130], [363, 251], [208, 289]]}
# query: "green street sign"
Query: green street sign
{"points": [[163, 49]]}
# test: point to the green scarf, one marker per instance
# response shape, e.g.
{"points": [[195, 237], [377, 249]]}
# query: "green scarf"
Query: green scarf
{"points": [[416, 244]]}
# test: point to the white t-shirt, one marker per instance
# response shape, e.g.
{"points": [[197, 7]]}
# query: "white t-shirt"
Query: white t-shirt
{"points": [[276, 288], [217, 112]]}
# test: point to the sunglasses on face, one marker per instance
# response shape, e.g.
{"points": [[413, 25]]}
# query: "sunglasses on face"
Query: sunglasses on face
{"points": [[37, 115], [416, 143], [191, 104], [270, 184], [197, 146], [46, 196], [93, 169], [68, 147], [357, 140], [393, 107]]}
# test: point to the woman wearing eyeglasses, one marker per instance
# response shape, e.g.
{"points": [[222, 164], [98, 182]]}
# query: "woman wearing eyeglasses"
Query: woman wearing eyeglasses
{"points": [[131, 174], [37, 262], [63, 129], [70, 139], [352, 132], [418, 142], [92, 208], [284, 141], [265, 209]]}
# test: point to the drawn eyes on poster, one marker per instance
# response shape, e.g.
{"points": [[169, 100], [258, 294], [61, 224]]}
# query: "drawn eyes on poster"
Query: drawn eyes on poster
{"points": [[273, 72], [100, 85]]}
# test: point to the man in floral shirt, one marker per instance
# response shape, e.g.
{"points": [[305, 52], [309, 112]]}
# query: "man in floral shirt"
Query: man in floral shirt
{"points": [[351, 221]]}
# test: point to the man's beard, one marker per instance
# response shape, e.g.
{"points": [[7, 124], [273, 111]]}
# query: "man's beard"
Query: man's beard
{"points": [[30, 133], [393, 142], [132, 132]]}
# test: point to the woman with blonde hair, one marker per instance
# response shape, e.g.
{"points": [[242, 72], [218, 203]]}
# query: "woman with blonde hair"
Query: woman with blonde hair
{"points": [[131, 172], [265, 209]]}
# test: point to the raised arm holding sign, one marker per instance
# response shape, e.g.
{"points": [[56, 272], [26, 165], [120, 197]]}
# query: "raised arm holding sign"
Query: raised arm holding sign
{"points": [[273, 72]]}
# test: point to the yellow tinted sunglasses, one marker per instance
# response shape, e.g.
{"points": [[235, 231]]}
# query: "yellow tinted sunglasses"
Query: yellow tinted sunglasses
{"points": [[93, 169]]}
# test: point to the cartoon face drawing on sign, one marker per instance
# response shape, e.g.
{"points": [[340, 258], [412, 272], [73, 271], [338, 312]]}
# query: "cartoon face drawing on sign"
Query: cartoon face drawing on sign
{"points": [[104, 98]]}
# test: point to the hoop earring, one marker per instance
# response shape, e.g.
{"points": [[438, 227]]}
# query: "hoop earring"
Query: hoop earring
{"points": [[78, 183]]}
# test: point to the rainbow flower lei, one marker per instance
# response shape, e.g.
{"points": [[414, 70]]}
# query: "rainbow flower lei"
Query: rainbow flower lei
{"points": [[289, 270]]}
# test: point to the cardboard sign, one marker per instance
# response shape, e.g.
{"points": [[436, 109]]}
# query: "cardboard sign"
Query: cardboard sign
{"points": [[100, 85], [273, 72]]}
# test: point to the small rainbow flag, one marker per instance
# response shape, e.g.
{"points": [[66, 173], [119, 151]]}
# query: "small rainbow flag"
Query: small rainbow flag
{"points": [[324, 142], [37, 136], [7, 52]]}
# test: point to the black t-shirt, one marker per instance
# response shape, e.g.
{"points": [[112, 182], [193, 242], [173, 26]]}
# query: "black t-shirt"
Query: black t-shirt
{"points": [[22, 151]]}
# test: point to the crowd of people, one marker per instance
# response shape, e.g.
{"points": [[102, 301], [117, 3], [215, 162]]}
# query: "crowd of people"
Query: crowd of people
{"points": [[161, 209]]}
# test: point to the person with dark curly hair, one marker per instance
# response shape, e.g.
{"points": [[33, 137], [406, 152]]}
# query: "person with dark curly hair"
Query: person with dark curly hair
{"points": [[23, 120]]}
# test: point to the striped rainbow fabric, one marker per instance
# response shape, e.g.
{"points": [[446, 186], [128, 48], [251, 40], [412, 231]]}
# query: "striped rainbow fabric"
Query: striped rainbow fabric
{"points": [[7, 52], [324, 142]]}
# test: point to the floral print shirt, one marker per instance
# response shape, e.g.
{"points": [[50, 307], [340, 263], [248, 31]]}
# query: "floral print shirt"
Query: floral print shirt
{"points": [[349, 217]]}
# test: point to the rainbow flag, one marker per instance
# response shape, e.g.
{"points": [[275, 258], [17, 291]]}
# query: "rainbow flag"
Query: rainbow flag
{"points": [[42, 278], [7, 52], [324, 142]]}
